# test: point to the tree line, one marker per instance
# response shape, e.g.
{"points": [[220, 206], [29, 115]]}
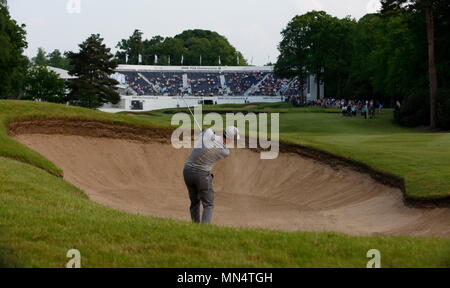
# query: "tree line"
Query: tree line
{"points": [[55, 59], [191, 47], [399, 54]]}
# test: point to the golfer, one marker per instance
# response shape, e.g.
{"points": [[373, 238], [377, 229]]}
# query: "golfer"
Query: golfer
{"points": [[209, 149]]}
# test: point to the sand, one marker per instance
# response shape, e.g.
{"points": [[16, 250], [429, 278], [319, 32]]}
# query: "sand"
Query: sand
{"points": [[291, 193]]}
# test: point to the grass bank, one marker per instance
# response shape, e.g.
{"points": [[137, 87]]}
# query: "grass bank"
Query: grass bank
{"points": [[42, 217]]}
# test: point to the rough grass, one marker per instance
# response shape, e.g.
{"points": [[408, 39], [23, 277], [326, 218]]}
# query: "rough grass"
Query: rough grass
{"points": [[42, 216]]}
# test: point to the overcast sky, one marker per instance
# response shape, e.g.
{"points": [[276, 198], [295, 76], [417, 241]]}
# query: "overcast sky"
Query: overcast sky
{"points": [[252, 26]]}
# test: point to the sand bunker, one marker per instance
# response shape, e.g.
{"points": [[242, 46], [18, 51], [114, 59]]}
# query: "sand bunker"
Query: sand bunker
{"points": [[290, 193]]}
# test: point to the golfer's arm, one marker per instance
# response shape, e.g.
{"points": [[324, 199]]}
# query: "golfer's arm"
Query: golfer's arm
{"points": [[225, 153]]}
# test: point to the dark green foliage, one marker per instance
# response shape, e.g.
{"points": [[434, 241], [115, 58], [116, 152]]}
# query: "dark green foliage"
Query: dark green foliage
{"points": [[444, 109], [317, 43], [386, 57], [53, 59], [40, 59], [292, 60], [415, 110], [93, 65], [382, 56], [58, 60], [133, 47], [43, 85], [395, 7], [187, 46], [12, 63]]}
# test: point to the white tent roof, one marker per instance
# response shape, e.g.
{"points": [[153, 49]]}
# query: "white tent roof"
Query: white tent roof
{"points": [[63, 74]]}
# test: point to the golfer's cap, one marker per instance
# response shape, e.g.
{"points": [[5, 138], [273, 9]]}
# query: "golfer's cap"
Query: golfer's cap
{"points": [[231, 132]]}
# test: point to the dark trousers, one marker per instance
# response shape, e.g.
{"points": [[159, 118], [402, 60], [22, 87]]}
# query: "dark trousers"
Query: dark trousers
{"points": [[200, 188]]}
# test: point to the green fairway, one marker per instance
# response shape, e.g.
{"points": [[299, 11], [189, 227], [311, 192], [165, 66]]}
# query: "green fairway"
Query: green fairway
{"points": [[421, 159], [42, 216]]}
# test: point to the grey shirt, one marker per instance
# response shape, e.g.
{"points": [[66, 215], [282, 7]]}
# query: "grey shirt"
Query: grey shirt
{"points": [[207, 151]]}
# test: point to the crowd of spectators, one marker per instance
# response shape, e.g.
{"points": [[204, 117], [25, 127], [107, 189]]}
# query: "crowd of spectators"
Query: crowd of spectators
{"points": [[205, 84], [293, 89], [139, 85], [270, 86], [209, 84], [239, 82], [351, 108], [166, 83]]}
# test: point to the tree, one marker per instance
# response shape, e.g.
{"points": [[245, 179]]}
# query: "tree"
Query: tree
{"points": [[153, 47], [316, 43], [58, 60], [427, 7], [13, 64], [323, 42], [188, 46], [133, 47], [387, 57], [334, 56], [92, 66], [44, 85], [294, 51], [54, 59], [41, 58], [210, 46], [169, 48]]}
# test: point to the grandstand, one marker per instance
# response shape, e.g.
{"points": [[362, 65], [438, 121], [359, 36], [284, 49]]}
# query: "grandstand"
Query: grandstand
{"points": [[158, 87]]}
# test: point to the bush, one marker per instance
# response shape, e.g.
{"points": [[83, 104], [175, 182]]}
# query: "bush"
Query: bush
{"points": [[415, 110], [44, 85], [444, 109]]}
